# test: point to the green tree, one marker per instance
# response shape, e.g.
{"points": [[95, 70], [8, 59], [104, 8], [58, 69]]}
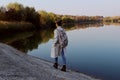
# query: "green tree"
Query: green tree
{"points": [[67, 19], [16, 6], [47, 19], [43, 17], [15, 11], [32, 16]]}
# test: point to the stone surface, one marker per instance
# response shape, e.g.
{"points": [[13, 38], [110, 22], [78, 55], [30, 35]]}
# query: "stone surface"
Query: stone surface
{"points": [[15, 65]]}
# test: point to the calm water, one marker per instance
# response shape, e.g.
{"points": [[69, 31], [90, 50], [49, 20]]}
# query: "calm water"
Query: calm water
{"points": [[92, 50]]}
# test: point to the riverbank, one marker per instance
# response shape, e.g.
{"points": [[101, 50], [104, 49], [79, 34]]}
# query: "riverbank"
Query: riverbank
{"points": [[15, 65], [15, 26]]}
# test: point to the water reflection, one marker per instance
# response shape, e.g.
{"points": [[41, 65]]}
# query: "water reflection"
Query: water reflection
{"points": [[82, 26], [30, 40], [25, 41]]}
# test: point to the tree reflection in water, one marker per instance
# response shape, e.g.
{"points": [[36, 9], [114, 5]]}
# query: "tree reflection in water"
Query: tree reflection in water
{"points": [[25, 41], [30, 40]]}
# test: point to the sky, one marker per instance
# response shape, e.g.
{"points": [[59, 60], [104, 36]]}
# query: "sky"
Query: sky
{"points": [[73, 7]]}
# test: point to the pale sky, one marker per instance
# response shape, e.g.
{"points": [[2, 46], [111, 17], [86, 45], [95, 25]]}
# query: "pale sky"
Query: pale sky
{"points": [[73, 7]]}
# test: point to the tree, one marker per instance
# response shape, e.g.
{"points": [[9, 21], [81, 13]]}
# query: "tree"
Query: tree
{"points": [[16, 6], [32, 16], [15, 11], [43, 17], [67, 19], [2, 13]]}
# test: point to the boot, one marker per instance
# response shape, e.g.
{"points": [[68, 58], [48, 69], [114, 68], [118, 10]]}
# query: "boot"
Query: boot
{"points": [[63, 68], [55, 65]]}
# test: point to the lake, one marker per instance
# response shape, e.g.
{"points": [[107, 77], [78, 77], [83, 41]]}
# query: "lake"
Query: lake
{"points": [[93, 49]]}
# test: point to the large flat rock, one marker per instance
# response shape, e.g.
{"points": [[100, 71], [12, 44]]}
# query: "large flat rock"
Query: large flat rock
{"points": [[15, 65]]}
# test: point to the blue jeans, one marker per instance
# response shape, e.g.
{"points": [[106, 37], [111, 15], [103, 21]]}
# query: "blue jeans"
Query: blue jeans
{"points": [[63, 58]]}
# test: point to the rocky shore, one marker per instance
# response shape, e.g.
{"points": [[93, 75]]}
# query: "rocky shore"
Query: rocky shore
{"points": [[15, 65]]}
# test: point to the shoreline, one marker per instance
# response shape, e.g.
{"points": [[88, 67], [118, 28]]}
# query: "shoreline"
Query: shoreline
{"points": [[16, 65]]}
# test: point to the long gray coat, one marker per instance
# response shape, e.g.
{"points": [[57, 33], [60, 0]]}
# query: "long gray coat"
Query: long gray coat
{"points": [[56, 49]]}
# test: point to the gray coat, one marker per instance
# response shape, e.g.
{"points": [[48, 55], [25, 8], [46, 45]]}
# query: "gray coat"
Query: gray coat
{"points": [[56, 49]]}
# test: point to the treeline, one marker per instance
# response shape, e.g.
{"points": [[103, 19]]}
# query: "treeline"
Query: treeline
{"points": [[115, 19], [89, 19], [17, 12], [41, 19]]}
